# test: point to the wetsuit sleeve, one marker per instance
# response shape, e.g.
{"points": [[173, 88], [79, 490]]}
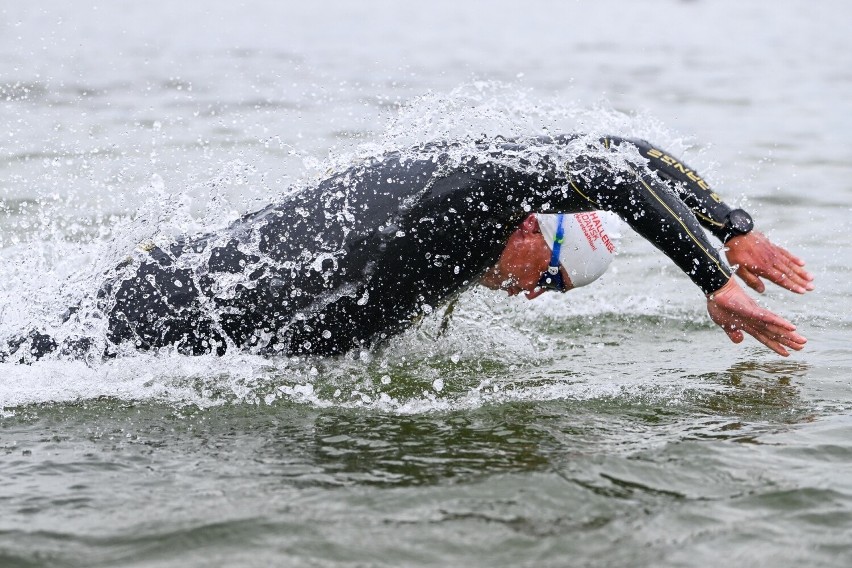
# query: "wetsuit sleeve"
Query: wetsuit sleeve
{"points": [[705, 203], [652, 209]]}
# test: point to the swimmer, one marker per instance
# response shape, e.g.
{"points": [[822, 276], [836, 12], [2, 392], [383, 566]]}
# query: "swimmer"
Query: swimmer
{"points": [[365, 253]]}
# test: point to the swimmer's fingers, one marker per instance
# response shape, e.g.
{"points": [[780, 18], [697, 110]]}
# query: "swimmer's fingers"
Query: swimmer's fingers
{"points": [[736, 313], [756, 257], [796, 266], [772, 344], [787, 270], [734, 333], [750, 278], [790, 256], [778, 342], [792, 277], [776, 337], [773, 336]]}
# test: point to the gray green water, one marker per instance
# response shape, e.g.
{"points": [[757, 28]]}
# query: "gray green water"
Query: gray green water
{"points": [[612, 427]]}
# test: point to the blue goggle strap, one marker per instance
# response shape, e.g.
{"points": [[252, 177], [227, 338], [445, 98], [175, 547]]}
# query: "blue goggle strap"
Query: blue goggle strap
{"points": [[552, 277]]}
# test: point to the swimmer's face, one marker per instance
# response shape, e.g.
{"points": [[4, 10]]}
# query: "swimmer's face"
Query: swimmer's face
{"points": [[523, 260]]}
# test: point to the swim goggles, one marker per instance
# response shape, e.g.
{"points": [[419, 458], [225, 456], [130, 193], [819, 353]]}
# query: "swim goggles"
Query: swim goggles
{"points": [[551, 279]]}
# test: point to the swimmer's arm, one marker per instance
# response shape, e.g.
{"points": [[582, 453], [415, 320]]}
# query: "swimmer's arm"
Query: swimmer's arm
{"points": [[711, 211], [654, 212], [753, 255], [668, 223]]}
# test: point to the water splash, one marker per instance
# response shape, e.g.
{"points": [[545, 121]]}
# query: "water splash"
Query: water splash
{"points": [[489, 350]]}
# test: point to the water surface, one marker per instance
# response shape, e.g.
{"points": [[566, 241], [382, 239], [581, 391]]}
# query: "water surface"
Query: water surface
{"points": [[615, 426]]}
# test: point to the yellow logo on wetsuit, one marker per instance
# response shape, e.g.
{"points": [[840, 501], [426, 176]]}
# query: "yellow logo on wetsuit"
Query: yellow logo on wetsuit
{"points": [[666, 159]]}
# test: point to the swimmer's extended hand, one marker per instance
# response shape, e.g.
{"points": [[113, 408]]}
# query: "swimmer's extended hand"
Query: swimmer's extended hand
{"points": [[755, 256], [732, 310]]}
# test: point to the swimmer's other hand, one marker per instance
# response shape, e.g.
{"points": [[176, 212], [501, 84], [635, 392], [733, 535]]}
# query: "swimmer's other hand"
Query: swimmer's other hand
{"points": [[755, 256], [735, 312]]}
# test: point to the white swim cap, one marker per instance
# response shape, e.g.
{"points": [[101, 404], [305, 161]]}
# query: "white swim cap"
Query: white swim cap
{"points": [[588, 242]]}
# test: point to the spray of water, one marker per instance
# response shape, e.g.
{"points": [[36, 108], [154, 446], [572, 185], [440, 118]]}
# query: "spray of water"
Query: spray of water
{"points": [[487, 350]]}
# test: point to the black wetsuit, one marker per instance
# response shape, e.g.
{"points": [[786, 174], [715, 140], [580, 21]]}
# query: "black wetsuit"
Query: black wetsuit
{"points": [[363, 254]]}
